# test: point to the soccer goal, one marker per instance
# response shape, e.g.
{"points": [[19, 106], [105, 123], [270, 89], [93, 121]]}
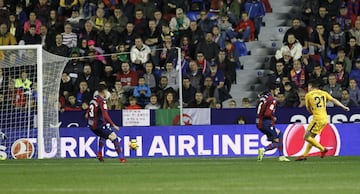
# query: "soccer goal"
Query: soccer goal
{"points": [[29, 93]]}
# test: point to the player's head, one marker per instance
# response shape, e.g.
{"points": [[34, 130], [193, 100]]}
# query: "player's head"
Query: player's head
{"points": [[313, 84], [274, 89], [102, 90]]}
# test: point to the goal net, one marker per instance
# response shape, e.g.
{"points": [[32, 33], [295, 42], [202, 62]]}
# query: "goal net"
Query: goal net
{"points": [[29, 89]]}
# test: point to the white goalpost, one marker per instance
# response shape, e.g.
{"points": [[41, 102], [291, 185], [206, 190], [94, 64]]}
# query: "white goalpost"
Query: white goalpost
{"points": [[29, 89]]}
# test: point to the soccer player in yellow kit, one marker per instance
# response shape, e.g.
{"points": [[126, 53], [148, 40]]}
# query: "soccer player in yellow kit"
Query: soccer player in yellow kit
{"points": [[315, 101]]}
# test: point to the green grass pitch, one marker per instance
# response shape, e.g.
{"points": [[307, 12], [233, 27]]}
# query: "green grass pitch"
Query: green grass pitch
{"points": [[331, 175]]}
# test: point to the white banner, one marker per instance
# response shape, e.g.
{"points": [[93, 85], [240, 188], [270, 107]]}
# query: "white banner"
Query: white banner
{"points": [[197, 116], [136, 117]]}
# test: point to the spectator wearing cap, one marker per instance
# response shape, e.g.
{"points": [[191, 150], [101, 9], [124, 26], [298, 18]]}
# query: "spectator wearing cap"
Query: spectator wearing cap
{"points": [[218, 80], [291, 45], [341, 57], [352, 50], [32, 20], [345, 18], [179, 23], [30, 37], [75, 20], [355, 73]]}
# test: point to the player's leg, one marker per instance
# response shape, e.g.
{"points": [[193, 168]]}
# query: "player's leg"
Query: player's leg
{"points": [[99, 132], [313, 129], [99, 155], [114, 139], [279, 141]]}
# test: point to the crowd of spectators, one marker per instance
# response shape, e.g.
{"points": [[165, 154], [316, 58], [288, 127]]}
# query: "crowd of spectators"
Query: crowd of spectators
{"points": [[323, 43], [130, 46]]}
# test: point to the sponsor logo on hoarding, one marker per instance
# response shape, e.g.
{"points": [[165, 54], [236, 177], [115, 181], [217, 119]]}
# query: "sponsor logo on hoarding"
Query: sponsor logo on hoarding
{"points": [[22, 149], [294, 144]]}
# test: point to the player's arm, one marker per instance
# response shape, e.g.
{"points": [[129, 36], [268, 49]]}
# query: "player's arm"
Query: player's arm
{"points": [[308, 104], [338, 103]]}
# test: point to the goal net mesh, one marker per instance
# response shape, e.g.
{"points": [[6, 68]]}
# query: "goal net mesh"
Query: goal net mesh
{"points": [[19, 91]]}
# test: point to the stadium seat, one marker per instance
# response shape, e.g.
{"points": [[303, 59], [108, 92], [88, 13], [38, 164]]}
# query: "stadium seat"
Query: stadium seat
{"points": [[273, 33]]}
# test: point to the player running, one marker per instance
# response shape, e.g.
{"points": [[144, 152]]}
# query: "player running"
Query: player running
{"points": [[265, 122], [315, 101], [100, 121]]}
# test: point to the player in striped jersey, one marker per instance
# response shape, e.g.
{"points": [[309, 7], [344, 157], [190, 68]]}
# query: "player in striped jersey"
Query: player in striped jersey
{"points": [[265, 122], [100, 122]]}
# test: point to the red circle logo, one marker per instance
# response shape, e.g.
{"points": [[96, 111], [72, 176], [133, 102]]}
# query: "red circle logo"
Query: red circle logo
{"points": [[294, 144], [22, 149]]}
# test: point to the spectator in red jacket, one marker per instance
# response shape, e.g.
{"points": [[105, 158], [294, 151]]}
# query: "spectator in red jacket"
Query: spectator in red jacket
{"points": [[244, 30]]}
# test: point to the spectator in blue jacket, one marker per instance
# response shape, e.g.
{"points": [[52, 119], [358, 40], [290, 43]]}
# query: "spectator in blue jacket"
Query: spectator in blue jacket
{"points": [[256, 12], [142, 92]]}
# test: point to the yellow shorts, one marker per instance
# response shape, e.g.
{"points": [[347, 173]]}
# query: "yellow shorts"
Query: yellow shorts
{"points": [[316, 127]]}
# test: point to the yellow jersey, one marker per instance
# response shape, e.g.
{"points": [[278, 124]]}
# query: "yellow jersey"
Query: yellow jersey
{"points": [[316, 104]]}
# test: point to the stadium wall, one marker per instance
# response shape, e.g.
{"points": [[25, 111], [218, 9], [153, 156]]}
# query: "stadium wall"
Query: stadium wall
{"points": [[197, 141], [205, 141]]}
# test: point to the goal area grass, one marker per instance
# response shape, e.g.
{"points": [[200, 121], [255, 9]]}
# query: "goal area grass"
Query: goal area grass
{"points": [[330, 175]]}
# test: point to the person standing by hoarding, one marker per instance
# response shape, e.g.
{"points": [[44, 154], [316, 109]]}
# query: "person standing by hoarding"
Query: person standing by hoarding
{"points": [[315, 101], [265, 122], [100, 122]]}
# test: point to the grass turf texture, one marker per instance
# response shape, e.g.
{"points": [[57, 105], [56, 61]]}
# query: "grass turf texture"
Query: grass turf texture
{"points": [[181, 175]]}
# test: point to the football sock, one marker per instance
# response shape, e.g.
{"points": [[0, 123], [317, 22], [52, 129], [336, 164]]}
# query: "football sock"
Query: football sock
{"points": [[118, 148], [307, 150], [313, 142], [101, 145], [271, 146]]}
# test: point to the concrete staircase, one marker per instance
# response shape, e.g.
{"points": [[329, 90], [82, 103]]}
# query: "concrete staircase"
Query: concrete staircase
{"points": [[254, 76]]}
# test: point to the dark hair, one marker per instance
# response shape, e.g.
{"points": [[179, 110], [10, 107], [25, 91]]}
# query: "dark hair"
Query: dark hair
{"points": [[314, 83], [102, 88]]}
